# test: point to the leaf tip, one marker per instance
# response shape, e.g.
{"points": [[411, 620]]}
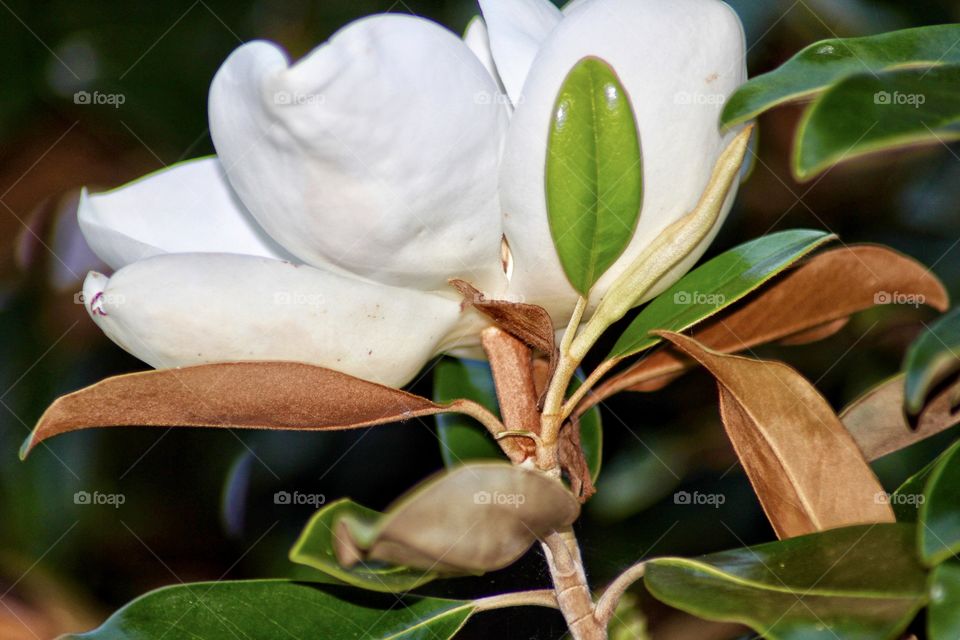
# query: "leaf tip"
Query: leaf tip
{"points": [[26, 447], [672, 337]]}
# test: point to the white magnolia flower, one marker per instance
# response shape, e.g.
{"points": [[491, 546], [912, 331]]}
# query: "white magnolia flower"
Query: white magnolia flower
{"points": [[350, 186]]}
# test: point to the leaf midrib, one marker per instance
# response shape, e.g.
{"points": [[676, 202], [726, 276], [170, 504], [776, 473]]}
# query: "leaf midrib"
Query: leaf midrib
{"points": [[711, 570]]}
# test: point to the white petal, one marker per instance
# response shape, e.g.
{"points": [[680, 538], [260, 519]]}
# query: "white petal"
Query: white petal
{"points": [[517, 29], [574, 4], [678, 61], [188, 207], [377, 152], [186, 309], [478, 40]]}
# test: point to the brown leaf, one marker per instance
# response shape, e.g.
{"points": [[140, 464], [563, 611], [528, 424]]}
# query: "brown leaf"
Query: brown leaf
{"points": [[807, 303], [528, 322], [571, 457], [475, 518], [878, 423], [511, 362], [574, 462], [820, 332], [805, 467], [239, 395]]}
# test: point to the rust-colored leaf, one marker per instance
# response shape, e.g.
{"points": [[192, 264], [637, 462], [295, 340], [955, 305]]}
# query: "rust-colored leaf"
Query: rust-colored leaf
{"points": [[808, 303], [879, 425], [520, 380], [239, 395], [574, 462], [805, 467], [511, 362], [528, 322], [815, 334]]}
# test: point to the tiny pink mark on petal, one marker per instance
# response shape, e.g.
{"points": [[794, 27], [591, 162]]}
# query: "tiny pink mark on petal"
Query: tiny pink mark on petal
{"points": [[96, 305]]}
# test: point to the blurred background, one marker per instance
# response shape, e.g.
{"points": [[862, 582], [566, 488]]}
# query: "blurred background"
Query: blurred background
{"points": [[200, 505]]}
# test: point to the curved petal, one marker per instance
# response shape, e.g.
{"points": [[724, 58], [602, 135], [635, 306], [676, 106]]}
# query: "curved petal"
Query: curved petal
{"points": [[187, 207], [573, 4], [477, 40], [378, 152], [678, 61], [517, 28], [185, 309]]}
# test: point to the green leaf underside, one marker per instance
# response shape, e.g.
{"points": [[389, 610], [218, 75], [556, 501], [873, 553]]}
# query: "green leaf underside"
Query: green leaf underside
{"points": [[943, 614], [824, 63], [856, 583], [463, 439], [280, 609], [868, 113], [716, 285], [594, 173], [315, 549], [931, 359], [939, 529]]}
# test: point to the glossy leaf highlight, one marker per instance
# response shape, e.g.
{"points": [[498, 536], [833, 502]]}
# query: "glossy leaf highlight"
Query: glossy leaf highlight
{"points": [[718, 284], [316, 548], [856, 583], [594, 173]]}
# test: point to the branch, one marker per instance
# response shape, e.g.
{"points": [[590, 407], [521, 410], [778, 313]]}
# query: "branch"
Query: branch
{"points": [[608, 602], [566, 367], [538, 598], [572, 403], [478, 412]]}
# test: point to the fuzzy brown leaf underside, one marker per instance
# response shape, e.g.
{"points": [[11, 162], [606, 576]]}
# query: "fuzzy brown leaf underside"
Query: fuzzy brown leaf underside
{"points": [[879, 424], [806, 469], [528, 322], [237, 395]]}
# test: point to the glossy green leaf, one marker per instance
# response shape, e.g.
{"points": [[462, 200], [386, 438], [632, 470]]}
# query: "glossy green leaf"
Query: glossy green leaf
{"points": [[594, 173], [315, 548], [463, 439], [825, 63], [931, 359], [943, 613], [908, 497], [591, 434], [938, 534], [856, 583], [715, 285], [280, 609], [867, 113]]}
